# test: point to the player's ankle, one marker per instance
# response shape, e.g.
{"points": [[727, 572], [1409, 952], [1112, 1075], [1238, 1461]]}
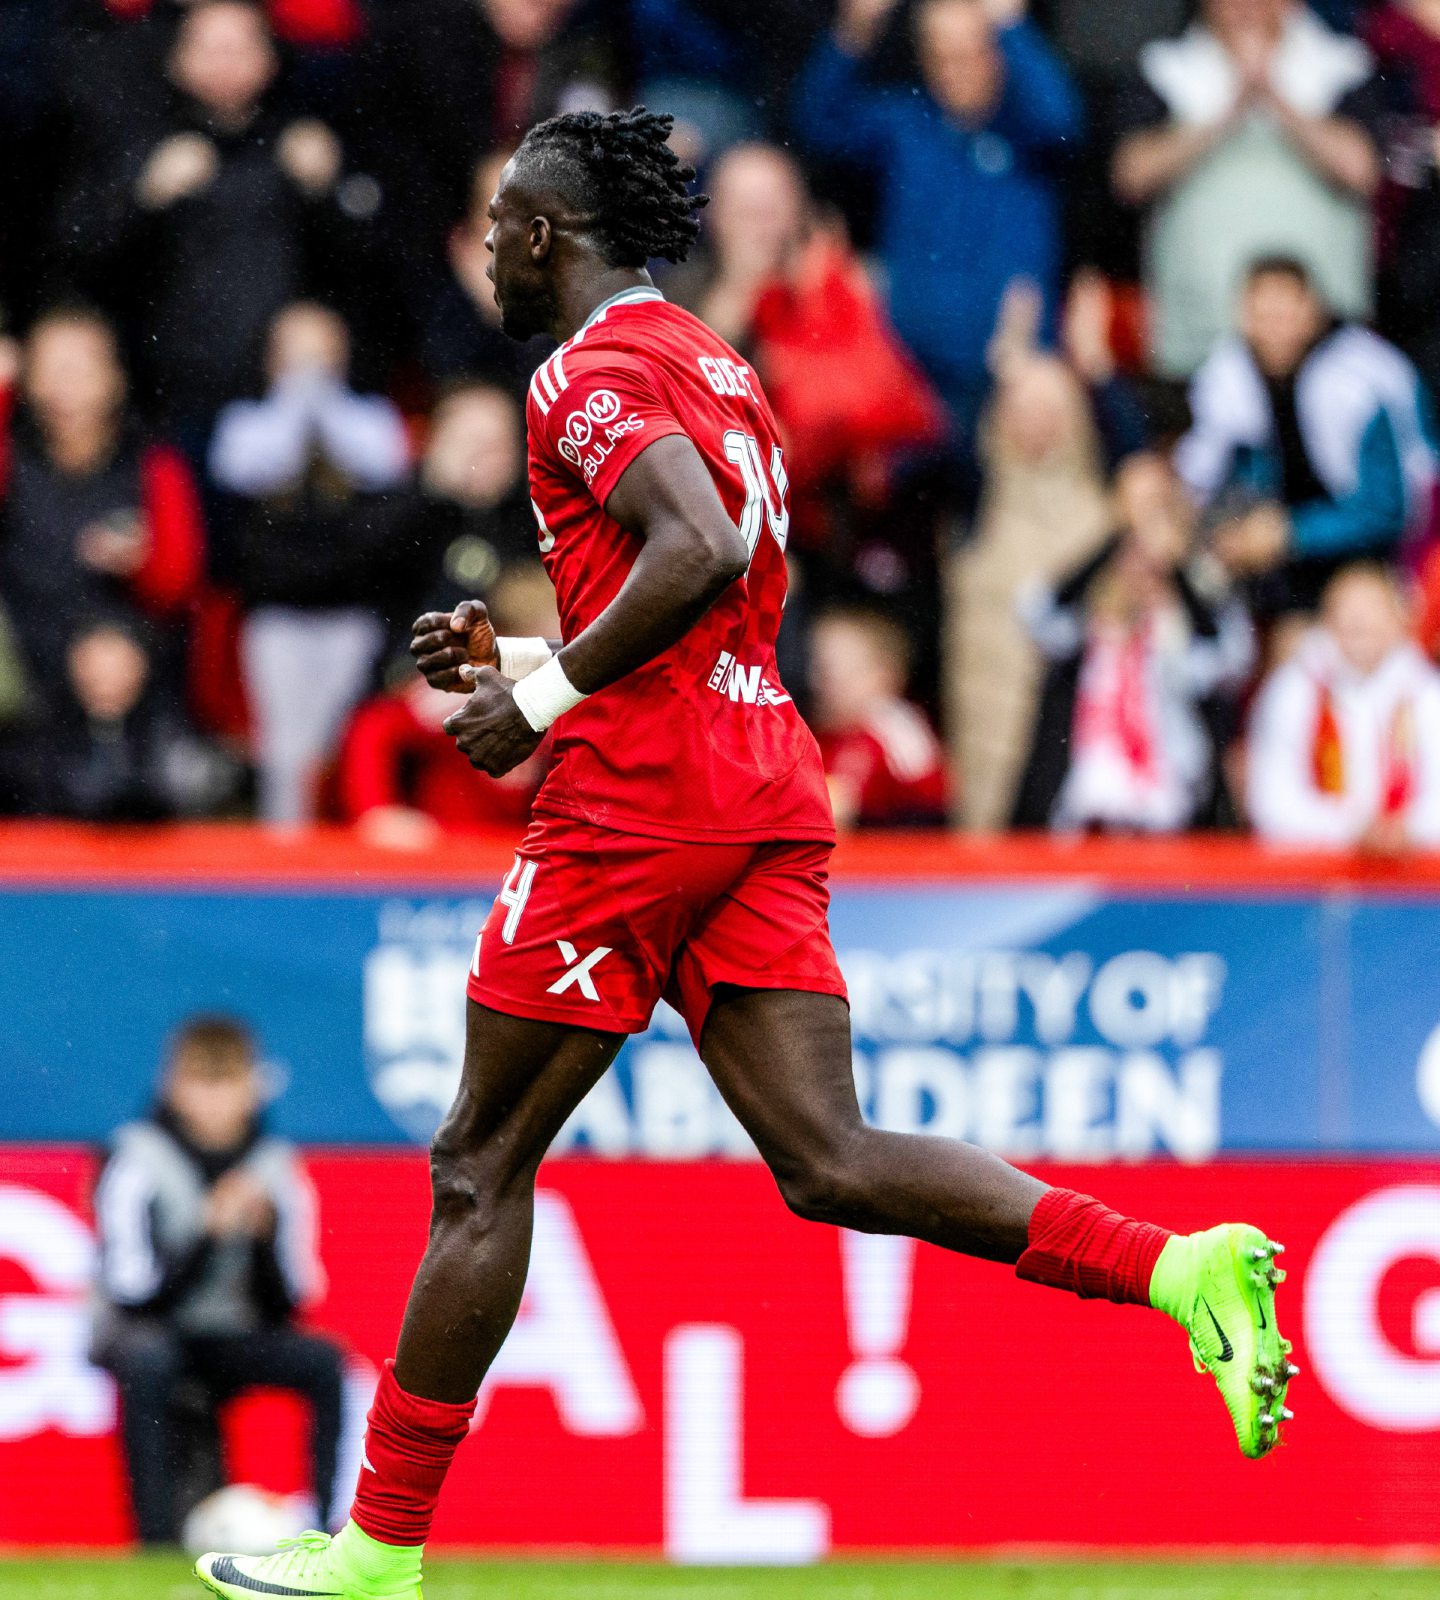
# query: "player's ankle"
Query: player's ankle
{"points": [[1172, 1283], [384, 1568]]}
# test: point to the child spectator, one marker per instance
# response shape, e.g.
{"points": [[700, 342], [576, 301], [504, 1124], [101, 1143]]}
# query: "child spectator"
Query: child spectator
{"points": [[1345, 739], [885, 766], [1132, 716], [1312, 441], [208, 1249], [400, 778], [317, 559], [1255, 133], [93, 517]]}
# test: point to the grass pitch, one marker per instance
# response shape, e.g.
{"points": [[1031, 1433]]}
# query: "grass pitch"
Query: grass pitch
{"points": [[153, 1578]]}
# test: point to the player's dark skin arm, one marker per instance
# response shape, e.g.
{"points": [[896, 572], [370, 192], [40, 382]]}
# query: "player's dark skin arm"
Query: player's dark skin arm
{"points": [[691, 554]]}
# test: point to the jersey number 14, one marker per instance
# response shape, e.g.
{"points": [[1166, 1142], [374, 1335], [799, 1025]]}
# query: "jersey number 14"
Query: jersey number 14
{"points": [[744, 451]]}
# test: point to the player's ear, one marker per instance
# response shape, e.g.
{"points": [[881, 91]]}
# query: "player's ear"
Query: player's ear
{"points": [[541, 238]]}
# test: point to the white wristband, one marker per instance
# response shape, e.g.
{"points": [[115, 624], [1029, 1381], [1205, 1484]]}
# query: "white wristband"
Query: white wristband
{"points": [[545, 695], [520, 657]]}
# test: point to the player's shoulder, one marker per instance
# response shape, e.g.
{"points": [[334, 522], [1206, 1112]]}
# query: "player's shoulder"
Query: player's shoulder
{"points": [[639, 345], [585, 366], [646, 329], [685, 355], [671, 333]]}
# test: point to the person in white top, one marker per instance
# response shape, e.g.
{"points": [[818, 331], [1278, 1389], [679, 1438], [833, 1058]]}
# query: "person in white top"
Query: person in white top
{"points": [[1345, 736], [309, 459], [261, 447]]}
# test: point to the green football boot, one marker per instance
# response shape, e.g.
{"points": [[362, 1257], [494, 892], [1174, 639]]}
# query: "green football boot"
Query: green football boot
{"points": [[351, 1566], [1220, 1287]]}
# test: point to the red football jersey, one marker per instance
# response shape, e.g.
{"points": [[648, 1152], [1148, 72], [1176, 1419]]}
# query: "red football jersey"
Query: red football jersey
{"points": [[701, 742]]}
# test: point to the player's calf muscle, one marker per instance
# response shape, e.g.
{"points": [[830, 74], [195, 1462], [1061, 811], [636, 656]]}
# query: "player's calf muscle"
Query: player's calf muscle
{"points": [[943, 1191]]}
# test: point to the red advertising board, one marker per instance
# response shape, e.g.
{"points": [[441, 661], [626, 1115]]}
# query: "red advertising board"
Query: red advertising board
{"points": [[696, 1371]]}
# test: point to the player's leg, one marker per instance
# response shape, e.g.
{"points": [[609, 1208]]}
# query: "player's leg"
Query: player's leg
{"points": [[782, 1061], [521, 1080], [759, 984]]}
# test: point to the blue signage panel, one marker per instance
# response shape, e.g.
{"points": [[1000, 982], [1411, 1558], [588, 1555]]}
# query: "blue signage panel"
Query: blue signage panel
{"points": [[1054, 1019]]}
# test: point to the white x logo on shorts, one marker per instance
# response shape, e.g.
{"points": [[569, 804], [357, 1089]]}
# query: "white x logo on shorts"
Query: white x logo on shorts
{"points": [[579, 971]]}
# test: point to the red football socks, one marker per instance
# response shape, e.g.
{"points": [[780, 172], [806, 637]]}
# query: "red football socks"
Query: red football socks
{"points": [[1077, 1243], [408, 1447]]}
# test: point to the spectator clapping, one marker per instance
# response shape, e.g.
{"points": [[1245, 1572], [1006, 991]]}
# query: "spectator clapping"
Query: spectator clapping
{"points": [[885, 766], [1255, 133], [231, 202], [315, 549]]}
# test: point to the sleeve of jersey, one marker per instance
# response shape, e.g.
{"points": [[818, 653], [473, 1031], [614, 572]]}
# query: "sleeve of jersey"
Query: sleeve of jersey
{"points": [[596, 416]]}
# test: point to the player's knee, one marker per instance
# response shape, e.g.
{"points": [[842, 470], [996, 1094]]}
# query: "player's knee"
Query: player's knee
{"points": [[822, 1189], [467, 1184]]}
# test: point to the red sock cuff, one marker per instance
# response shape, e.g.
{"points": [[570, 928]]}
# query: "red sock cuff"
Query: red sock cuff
{"points": [[409, 1444], [1078, 1243], [413, 1411]]}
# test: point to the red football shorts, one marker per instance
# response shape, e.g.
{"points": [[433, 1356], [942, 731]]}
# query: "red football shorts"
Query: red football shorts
{"points": [[592, 927]]}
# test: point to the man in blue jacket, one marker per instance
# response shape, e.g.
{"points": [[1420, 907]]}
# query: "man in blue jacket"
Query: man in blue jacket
{"points": [[968, 204]]}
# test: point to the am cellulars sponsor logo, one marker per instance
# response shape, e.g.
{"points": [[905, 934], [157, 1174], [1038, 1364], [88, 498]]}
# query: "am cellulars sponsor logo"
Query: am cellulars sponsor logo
{"points": [[591, 432]]}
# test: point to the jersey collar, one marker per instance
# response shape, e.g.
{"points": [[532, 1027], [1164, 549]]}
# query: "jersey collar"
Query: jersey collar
{"points": [[639, 295]]}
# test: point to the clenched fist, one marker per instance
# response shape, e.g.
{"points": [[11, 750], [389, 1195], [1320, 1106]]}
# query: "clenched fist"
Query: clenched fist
{"points": [[443, 642], [489, 729]]}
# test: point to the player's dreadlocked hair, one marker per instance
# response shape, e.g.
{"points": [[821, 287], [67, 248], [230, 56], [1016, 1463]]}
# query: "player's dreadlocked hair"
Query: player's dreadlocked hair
{"points": [[619, 171]]}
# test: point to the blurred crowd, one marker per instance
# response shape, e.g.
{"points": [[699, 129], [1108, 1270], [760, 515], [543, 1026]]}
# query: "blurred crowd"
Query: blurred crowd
{"points": [[1103, 338]]}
